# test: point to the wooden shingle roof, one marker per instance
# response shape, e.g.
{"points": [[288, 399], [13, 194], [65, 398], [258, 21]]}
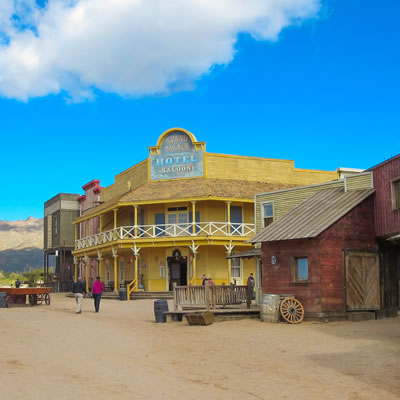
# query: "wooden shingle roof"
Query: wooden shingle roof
{"points": [[188, 189], [313, 215]]}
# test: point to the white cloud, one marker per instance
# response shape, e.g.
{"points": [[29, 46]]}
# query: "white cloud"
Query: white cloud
{"points": [[129, 47]]}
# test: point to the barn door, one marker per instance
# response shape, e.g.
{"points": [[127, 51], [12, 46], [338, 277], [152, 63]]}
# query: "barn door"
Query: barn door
{"points": [[362, 281]]}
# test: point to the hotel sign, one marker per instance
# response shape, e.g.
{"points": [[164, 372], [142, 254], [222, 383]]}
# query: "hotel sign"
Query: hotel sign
{"points": [[177, 158]]}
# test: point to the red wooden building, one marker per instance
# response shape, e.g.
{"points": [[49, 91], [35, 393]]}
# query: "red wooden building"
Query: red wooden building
{"points": [[325, 244], [387, 225]]}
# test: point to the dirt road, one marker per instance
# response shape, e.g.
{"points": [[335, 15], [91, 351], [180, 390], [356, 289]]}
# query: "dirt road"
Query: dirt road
{"points": [[49, 352]]}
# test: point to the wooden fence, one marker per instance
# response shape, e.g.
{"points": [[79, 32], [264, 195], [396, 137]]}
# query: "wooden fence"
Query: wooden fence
{"points": [[209, 297]]}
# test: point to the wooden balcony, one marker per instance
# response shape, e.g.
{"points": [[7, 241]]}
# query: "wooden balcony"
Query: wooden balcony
{"points": [[154, 232]]}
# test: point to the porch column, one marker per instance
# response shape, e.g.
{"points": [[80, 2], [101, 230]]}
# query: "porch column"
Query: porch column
{"points": [[87, 260], [87, 227], [229, 250], [76, 226], [136, 220], [101, 224], [228, 215], [193, 249], [115, 256], [75, 269], [100, 261]]}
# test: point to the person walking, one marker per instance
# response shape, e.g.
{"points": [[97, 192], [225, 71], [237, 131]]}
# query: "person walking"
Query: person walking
{"points": [[97, 290], [17, 283], [78, 290]]}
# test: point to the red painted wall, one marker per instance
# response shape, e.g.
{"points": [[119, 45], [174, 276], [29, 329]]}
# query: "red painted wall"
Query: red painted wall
{"points": [[387, 221], [325, 291]]}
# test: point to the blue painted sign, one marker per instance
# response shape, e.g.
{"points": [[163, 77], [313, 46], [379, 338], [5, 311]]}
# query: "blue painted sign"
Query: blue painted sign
{"points": [[177, 159]]}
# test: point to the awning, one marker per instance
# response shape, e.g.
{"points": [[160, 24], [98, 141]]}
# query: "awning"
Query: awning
{"points": [[247, 254], [394, 237]]}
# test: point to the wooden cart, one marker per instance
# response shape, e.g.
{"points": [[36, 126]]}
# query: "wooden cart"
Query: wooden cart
{"points": [[36, 295]]}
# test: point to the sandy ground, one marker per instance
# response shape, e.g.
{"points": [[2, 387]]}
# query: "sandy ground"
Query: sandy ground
{"points": [[49, 352]]}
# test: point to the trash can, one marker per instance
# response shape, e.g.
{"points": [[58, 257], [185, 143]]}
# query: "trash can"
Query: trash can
{"points": [[122, 293], [160, 306], [3, 299]]}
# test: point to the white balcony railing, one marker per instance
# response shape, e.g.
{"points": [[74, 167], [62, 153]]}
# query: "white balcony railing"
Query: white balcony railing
{"points": [[202, 229]]}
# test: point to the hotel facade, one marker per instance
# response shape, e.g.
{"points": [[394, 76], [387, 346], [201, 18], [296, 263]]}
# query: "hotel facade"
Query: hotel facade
{"points": [[178, 215]]}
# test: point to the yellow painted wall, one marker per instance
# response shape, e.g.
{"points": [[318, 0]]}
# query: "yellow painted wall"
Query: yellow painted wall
{"points": [[127, 180], [263, 170]]}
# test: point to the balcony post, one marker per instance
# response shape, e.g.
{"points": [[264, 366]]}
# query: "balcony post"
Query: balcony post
{"points": [[136, 220], [101, 224], [194, 219], [115, 218], [228, 216]]}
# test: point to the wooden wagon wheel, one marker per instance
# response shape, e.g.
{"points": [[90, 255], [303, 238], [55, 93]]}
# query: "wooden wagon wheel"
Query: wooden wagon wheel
{"points": [[47, 298], [292, 310], [32, 299]]}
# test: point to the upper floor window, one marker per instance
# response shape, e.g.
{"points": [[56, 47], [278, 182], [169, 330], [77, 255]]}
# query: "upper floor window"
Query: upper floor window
{"points": [[267, 214], [55, 225], [396, 193]]}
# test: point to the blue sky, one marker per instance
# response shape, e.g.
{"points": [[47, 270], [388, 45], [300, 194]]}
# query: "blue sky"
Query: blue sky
{"points": [[324, 92]]}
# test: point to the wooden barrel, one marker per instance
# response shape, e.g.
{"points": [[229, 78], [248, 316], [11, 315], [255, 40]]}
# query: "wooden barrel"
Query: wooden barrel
{"points": [[269, 309], [160, 307]]}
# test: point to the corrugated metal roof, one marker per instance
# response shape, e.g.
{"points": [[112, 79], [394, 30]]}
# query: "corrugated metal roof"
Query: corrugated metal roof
{"points": [[247, 254], [313, 215]]}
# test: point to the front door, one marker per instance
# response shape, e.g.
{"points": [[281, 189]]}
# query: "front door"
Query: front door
{"points": [[177, 271], [362, 281]]}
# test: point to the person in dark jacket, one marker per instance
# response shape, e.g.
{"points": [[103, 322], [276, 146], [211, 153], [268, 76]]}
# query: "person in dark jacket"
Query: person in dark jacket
{"points": [[251, 283], [79, 290], [17, 283]]}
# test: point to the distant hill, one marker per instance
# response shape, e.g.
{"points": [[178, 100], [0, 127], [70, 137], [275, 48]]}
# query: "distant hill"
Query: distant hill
{"points": [[21, 244]]}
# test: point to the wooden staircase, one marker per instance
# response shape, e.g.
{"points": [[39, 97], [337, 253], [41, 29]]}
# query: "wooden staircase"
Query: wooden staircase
{"points": [[152, 295]]}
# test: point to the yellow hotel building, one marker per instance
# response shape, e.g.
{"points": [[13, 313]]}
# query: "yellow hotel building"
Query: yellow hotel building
{"points": [[178, 215]]}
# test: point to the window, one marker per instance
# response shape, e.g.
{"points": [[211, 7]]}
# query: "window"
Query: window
{"points": [[55, 225], [300, 271], [236, 270], [396, 194], [267, 211]]}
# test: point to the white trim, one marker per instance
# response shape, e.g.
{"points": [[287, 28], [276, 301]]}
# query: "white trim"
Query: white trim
{"points": [[262, 211]]}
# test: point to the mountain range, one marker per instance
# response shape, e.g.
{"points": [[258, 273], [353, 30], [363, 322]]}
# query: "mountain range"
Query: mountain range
{"points": [[21, 244]]}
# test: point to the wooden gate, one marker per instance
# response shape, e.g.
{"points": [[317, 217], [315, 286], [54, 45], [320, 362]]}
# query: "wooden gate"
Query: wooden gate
{"points": [[362, 281]]}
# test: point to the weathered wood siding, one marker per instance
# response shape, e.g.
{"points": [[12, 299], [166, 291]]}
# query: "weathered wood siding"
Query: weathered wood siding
{"points": [[360, 181], [387, 220], [263, 170], [127, 180], [325, 291], [286, 200]]}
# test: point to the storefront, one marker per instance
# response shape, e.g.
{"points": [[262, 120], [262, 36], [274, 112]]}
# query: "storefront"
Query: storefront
{"points": [[178, 215]]}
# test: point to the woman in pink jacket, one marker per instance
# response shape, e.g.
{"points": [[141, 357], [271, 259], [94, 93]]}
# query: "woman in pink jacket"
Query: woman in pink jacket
{"points": [[97, 290]]}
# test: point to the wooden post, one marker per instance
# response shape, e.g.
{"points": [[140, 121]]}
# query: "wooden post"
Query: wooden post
{"points": [[228, 216], [76, 234], [207, 296], [87, 273], [136, 220], [175, 302], [116, 274], [75, 269], [248, 295], [135, 288], [101, 224]]}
